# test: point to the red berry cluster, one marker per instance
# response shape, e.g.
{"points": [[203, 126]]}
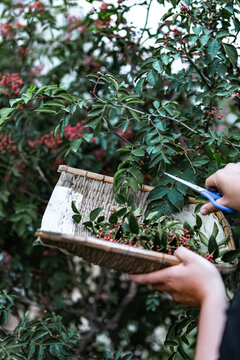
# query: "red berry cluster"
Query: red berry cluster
{"points": [[6, 31], [172, 34], [208, 256], [36, 6], [184, 8], [23, 52], [70, 133], [101, 24], [104, 6], [74, 23], [212, 113], [7, 144], [238, 94], [11, 82]]}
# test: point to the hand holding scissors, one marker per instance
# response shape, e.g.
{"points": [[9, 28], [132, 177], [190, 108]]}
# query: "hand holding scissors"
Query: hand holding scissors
{"points": [[212, 196]]}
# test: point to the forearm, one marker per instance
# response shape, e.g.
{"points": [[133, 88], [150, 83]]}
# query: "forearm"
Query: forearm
{"points": [[211, 326]]}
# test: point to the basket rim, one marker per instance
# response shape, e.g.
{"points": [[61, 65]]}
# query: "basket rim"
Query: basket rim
{"points": [[122, 249]]}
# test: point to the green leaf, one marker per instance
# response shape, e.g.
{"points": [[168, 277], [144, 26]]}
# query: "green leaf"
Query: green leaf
{"points": [[176, 198], [100, 219], [16, 101], [117, 355], [197, 30], [170, 343], [32, 88], [26, 97], [158, 66], [157, 193], [54, 103], [212, 244], [198, 221], [4, 114], [204, 39], [88, 224], [231, 255], [134, 114], [183, 353], [112, 81], [56, 132], [139, 86], [87, 137], [172, 356], [203, 238], [136, 174], [133, 183], [113, 218], [74, 209], [231, 53], [46, 110], [213, 48], [94, 213], [75, 144], [31, 351], [133, 224], [40, 353], [152, 78], [156, 104], [119, 199], [138, 152], [127, 357]]}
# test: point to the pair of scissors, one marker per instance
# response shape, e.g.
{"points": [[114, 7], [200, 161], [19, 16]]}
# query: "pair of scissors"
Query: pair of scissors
{"points": [[210, 195]]}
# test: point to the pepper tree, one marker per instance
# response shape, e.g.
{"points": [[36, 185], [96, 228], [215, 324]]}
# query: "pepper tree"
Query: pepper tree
{"points": [[90, 87]]}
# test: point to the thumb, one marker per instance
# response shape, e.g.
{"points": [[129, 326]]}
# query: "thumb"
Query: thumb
{"points": [[185, 255], [210, 208]]}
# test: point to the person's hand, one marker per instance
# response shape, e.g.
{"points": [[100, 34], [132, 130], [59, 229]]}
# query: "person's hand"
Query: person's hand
{"points": [[227, 182], [191, 282]]}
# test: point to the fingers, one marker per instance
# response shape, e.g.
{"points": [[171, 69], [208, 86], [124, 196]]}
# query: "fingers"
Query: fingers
{"points": [[211, 183], [160, 287], [156, 277], [185, 255], [210, 208]]}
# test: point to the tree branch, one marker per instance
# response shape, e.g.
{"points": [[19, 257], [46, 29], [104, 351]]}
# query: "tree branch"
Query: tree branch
{"points": [[146, 22]]}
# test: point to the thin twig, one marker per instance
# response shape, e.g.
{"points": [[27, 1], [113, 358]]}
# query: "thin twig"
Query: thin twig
{"points": [[146, 22], [112, 324], [42, 175], [203, 77]]}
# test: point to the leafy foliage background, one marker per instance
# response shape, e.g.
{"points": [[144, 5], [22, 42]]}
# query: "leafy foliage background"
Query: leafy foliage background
{"points": [[133, 123]]}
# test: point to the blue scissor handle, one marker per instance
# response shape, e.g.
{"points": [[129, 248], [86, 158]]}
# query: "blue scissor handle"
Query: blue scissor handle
{"points": [[213, 196]]}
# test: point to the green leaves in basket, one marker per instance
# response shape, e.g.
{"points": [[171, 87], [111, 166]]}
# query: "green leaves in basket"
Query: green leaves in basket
{"points": [[231, 255], [113, 218], [77, 217], [203, 238], [133, 224], [198, 222], [94, 214], [212, 243]]}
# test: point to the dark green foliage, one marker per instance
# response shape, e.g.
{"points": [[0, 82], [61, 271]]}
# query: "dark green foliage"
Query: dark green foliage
{"points": [[133, 126]]}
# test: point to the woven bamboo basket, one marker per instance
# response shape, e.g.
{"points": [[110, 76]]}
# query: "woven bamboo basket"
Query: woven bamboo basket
{"points": [[89, 191]]}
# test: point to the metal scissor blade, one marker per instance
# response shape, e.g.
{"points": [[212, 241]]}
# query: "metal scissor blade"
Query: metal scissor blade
{"points": [[187, 183]]}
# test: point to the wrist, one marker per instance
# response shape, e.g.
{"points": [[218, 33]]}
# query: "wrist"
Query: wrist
{"points": [[216, 298]]}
